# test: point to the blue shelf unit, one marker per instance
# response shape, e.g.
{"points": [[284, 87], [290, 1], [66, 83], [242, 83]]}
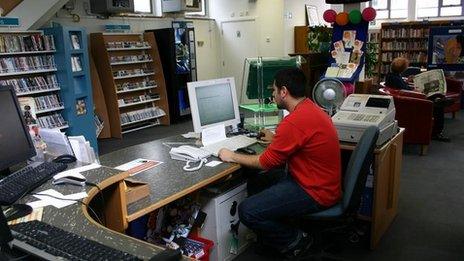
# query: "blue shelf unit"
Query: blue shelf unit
{"points": [[72, 61]]}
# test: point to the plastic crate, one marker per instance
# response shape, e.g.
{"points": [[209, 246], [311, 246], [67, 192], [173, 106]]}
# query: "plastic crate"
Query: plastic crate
{"points": [[207, 248]]}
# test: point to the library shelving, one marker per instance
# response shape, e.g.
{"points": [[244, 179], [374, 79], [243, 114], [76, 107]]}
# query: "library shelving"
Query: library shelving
{"points": [[73, 73], [406, 39], [28, 63], [132, 80], [179, 64], [373, 45]]}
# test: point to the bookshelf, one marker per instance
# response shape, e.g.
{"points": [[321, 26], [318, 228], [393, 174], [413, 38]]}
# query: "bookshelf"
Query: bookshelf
{"points": [[73, 73], [405, 39], [132, 80], [373, 45], [28, 63]]}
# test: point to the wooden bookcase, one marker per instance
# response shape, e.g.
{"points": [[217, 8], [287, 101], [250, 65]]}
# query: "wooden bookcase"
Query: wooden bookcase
{"points": [[405, 39], [130, 72], [33, 81]]}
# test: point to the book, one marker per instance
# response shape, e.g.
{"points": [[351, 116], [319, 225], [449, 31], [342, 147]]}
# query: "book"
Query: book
{"points": [[431, 82], [28, 109], [75, 42]]}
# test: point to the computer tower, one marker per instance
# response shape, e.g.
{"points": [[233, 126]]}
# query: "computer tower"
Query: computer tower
{"points": [[222, 220]]}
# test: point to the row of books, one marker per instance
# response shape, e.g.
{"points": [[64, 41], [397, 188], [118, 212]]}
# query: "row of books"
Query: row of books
{"points": [[10, 43], [130, 58], [127, 44], [51, 121], [145, 97], [26, 63], [142, 114], [405, 33], [31, 84], [413, 57], [76, 65], [122, 73], [47, 102], [126, 86], [402, 45]]}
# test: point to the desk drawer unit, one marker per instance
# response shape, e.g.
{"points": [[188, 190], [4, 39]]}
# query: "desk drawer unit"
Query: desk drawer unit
{"points": [[221, 220]]}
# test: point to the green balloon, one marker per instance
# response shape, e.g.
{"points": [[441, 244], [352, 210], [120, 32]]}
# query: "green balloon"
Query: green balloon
{"points": [[355, 16]]}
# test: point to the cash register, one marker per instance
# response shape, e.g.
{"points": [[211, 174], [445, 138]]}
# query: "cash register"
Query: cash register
{"points": [[360, 111]]}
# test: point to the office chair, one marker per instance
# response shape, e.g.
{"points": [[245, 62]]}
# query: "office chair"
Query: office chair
{"points": [[411, 71], [343, 213]]}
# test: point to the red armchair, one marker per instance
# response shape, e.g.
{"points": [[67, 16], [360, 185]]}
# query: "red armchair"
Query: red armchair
{"points": [[414, 113], [453, 91]]}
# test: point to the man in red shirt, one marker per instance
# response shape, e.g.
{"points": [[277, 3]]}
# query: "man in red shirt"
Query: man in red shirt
{"points": [[307, 142]]}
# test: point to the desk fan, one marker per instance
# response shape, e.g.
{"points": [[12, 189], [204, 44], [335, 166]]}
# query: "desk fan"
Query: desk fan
{"points": [[329, 94]]}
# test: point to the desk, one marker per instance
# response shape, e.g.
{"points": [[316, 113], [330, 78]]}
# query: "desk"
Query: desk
{"points": [[169, 182]]}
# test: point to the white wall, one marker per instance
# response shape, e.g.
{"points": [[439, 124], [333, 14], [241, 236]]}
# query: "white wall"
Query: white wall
{"points": [[33, 13], [295, 15]]}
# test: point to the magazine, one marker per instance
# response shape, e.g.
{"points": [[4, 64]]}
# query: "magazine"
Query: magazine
{"points": [[431, 82], [29, 110]]}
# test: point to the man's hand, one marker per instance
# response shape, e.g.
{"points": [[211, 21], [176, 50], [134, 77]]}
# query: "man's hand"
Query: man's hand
{"points": [[266, 135], [226, 155]]}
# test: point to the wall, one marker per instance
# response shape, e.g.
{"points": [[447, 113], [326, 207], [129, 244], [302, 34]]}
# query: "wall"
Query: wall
{"points": [[295, 15], [269, 19], [33, 13]]}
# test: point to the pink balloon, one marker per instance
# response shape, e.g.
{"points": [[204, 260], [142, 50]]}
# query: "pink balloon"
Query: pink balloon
{"points": [[369, 14], [329, 15]]}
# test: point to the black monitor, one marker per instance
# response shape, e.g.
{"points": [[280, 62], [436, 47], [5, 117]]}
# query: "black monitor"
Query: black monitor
{"points": [[15, 142]]}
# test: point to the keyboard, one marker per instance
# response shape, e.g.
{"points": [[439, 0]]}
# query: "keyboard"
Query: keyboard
{"points": [[233, 143], [16, 185], [52, 243]]}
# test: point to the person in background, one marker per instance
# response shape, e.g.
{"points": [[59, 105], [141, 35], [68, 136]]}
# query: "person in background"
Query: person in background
{"points": [[307, 143], [394, 80]]}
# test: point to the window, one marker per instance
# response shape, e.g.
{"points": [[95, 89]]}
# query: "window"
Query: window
{"points": [[439, 8], [390, 9], [142, 6]]}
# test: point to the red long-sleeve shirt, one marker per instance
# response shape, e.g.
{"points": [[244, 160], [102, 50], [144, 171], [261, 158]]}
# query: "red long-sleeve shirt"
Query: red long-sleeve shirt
{"points": [[307, 140]]}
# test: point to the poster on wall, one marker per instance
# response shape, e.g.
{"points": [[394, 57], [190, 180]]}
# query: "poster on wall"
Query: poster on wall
{"points": [[312, 18]]}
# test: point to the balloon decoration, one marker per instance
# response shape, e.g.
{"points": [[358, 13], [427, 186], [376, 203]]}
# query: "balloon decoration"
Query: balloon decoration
{"points": [[355, 16], [342, 18], [329, 16], [369, 14]]}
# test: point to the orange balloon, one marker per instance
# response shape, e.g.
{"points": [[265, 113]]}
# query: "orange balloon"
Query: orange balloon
{"points": [[342, 18]]}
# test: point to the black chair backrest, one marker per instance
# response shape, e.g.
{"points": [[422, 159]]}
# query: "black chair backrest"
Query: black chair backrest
{"points": [[358, 168], [411, 71]]}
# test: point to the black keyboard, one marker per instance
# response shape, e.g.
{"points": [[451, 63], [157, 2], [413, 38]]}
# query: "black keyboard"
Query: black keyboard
{"points": [[51, 243], [16, 185]]}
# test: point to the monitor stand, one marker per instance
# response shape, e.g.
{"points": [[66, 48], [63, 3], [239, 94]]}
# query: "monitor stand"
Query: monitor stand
{"points": [[6, 237], [4, 173]]}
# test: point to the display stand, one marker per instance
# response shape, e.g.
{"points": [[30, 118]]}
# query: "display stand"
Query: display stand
{"points": [[73, 73], [132, 80]]}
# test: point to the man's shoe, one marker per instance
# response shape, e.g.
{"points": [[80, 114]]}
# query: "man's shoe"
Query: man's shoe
{"points": [[441, 137], [301, 248]]}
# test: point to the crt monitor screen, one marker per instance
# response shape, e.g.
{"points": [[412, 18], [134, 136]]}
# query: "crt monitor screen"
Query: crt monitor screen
{"points": [[446, 48], [213, 102], [16, 144]]}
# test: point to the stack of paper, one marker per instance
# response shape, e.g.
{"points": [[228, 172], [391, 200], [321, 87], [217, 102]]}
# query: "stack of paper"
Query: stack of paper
{"points": [[82, 149]]}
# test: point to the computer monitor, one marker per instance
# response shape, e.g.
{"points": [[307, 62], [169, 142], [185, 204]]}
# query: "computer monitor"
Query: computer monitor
{"points": [[213, 102], [16, 143]]}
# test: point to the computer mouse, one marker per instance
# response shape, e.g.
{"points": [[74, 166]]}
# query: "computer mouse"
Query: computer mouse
{"points": [[65, 158], [246, 150]]}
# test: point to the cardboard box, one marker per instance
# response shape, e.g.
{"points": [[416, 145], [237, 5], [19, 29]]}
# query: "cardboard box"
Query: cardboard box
{"points": [[135, 190]]}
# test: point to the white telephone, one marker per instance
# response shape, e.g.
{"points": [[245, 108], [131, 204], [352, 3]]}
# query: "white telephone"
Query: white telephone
{"points": [[190, 154]]}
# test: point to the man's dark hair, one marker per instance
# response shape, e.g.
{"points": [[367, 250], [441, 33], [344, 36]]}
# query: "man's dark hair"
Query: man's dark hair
{"points": [[294, 79]]}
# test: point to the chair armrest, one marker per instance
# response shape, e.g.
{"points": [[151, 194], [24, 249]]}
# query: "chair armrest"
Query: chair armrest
{"points": [[453, 85], [416, 116]]}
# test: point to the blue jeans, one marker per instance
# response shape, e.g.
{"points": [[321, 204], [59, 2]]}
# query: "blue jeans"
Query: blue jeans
{"points": [[265, 212]]}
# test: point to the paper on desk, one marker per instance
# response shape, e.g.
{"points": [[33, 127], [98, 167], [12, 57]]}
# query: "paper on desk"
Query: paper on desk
{"points": [[76, 172], [35, 215], [213, 134], [213, 163], [56, 199], [191, 135], [138, 165]]}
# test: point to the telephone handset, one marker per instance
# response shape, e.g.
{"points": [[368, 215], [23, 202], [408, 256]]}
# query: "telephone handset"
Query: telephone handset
{"points": [[188, 153]]}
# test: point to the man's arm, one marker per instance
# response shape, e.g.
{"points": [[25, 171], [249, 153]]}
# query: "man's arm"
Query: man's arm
{"points": [[251, 161]]}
